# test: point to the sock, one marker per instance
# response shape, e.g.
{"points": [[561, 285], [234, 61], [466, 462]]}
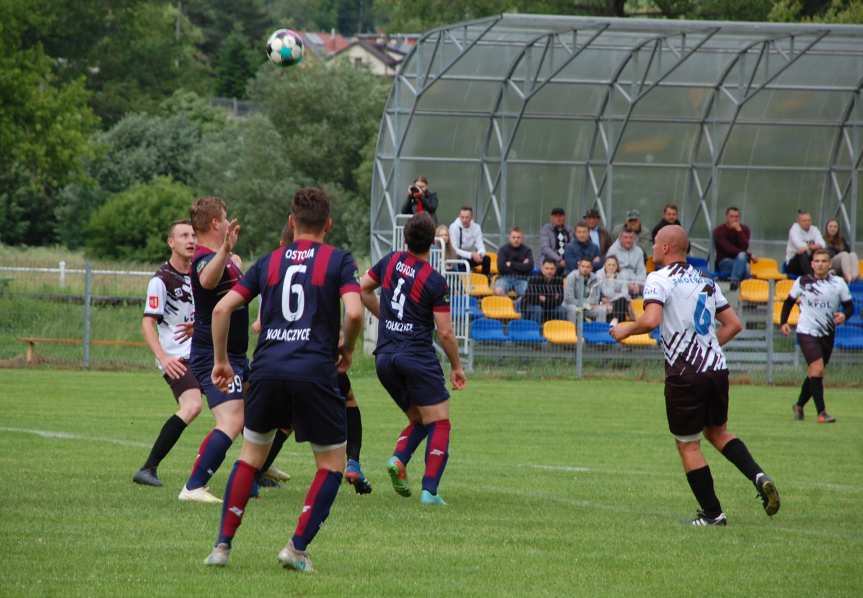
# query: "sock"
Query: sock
{"points": [[355, 433], [316, 508], [210, 456], [701, 483], [805, 392], [408, 441], [237, 494], [437, 454], [166, 440], [278, 441], [817, 386], [736, 452]]}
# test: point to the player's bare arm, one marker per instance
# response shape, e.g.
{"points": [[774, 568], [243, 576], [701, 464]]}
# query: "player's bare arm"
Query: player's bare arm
{"points": [[223, 373], [351, 326], [172, 366], [446, 337], [367, 292], [212, 272], [731, 326], [650, 319]]}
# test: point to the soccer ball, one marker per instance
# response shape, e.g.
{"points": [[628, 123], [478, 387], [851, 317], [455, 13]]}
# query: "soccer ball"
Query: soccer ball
{"points": [[285, 47]]}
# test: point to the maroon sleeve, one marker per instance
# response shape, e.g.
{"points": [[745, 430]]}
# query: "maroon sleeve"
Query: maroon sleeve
{"points": [[744, 238], [721, 238]]}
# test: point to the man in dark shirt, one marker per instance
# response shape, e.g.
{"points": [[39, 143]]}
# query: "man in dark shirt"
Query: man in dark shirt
{"points": [[294, 373], [669, 216], [731, 240], [514, 263], [544, 298], [581, 247]]}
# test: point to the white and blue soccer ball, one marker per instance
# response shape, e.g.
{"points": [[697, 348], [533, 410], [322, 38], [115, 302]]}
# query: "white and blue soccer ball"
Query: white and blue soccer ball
{"points": [[285, 48]]}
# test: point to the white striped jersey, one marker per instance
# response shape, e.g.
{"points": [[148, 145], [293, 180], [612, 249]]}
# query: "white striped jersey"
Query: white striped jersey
{"points": [[690, 302], [819, 298], [170, 303]]}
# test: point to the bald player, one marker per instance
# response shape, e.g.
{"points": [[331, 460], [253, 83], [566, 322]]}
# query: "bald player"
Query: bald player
{"points": [[685, 303]]}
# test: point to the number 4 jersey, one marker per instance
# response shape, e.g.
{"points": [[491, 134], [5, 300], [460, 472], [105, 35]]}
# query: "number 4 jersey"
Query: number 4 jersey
{"points": [[411, 291], [300, 286], [690, 302]]}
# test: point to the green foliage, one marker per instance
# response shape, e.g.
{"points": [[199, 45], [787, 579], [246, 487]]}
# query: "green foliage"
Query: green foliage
{"points": [[76, 203], [348, 17], [236, 64], [217, 19], [196, 109], [823, 11], [132, 225]]}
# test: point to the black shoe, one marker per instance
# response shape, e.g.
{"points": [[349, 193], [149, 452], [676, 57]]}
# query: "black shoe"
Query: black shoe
{"points": [[147, 477], [265, 482], [768, 493], [798, 412], [702, 519]]}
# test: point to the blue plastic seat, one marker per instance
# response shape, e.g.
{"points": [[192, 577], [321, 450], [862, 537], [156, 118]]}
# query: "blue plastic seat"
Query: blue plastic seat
{"points": [[475, 309], [487, 330], [856, 287], [525, 331], [596, 333], [701, 264]]}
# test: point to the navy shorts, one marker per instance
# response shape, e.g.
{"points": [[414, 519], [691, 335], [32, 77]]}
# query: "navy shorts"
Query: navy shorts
{"points": [[202, 368], [314, 410], [412, 379], [344, 385]]}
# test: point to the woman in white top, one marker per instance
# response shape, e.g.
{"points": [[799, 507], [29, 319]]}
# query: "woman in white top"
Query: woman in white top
{"points": [[613, 292], [843, 261]]}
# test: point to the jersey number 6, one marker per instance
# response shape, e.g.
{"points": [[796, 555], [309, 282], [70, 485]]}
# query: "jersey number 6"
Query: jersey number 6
{"points": [[702, 317], [289, 289]]}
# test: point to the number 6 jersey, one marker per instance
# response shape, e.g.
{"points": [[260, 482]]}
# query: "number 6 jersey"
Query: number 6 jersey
{"points": [[300, 286], [411, 291], [690, 302]]}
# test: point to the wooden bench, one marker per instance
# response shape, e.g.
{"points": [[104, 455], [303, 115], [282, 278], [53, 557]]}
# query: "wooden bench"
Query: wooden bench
{"points": [[31, 343]]}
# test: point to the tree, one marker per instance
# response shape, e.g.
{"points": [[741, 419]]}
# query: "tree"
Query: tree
{"points": [[236, 64], [818, 11], [133, 225]]}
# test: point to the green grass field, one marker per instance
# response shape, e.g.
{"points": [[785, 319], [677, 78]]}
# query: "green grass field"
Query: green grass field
{"points": [[555, 488]]}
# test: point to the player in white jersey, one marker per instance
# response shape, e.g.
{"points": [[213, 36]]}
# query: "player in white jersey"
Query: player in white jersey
{"points": [[685, 303], [820, 296], [169, 305]]}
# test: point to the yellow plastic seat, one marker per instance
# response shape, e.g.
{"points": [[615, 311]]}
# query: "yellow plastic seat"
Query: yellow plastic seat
{"points": [[860, 263], [766, 268], [783, 287], [479, 286], [499, 308], [637, 307], [640, 340], [492, 265], [793, 317], [560, 332], [650, 265], [754, 291]]}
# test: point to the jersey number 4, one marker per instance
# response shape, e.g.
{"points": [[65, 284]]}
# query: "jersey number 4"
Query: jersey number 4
{"points": [[702, 317], [288, 289], [398, 300]]}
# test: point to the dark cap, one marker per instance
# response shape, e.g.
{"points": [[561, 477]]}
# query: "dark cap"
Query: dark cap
{"points": [[558, 212], [592, 213]]}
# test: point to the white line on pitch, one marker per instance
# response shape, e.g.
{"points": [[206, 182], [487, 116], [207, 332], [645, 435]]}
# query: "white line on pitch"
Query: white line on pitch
{"points": [[69, 436]]}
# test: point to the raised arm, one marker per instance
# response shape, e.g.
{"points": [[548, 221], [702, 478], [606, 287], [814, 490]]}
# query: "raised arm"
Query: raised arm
{"points": [[212, 272], [223, 373]]}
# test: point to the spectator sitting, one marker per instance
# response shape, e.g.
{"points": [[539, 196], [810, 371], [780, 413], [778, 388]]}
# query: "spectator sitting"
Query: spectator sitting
{"points": [[842, 259], [465, 236], [630, 260], [581, 291], [803, 239], [581, 246], [598, 235], [554, 236], [614, 291], [515, 264], [731, 240], [442, 232], [544, 297], [420, 199], [642, 236], [669, 216]]}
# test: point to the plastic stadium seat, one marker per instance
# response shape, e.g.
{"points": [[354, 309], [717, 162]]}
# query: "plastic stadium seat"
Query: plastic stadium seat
{"points": [[479, 285], [637, 307], [856, 287], [596, 333], [860, 267], [475, 311], [793, 317], [640, 340], [499, 308], [766, 268], [560, 332], [650, 265], [524, 331], [754, 291], [700, 264], [492, 266], [849, 337], [488, 330], [783, 287]]}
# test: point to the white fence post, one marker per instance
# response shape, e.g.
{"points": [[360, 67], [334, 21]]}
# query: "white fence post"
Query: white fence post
{"points": [[62, 274]]}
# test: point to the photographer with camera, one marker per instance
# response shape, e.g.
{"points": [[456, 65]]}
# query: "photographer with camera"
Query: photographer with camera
{"points": [[420, 199]]}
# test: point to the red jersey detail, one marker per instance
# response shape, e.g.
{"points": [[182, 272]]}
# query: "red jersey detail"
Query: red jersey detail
{"points": [[154, 301], [391, 265], [274, 274], [420, 282], [322, 262]]}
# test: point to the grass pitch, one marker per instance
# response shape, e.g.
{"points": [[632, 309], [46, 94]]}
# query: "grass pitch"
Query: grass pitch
{"points": [[555, 488]]}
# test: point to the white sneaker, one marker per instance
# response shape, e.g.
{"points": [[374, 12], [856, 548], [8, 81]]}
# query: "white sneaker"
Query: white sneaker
{"points": [[274, 473], [219, 556], [201, 494], [291, 558]]}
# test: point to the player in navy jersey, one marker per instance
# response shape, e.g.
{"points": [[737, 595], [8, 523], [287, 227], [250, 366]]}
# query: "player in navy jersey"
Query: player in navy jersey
{"points": [[293, 380], [414, 300], [685, 303], [825, 303], [169, 306]]}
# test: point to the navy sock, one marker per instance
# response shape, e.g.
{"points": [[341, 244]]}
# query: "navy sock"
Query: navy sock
{"points": [[210, 457], [409, 440], [817, 386], [701, 483], [736, 452], [437, 454], [168, 437], [316, 507], [355, 433]]}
